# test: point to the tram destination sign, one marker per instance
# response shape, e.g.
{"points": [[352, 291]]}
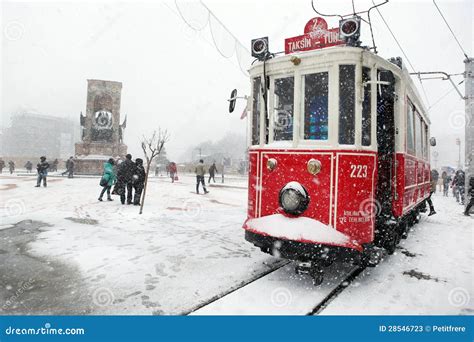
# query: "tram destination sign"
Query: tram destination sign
{"points": [[316, 36]]}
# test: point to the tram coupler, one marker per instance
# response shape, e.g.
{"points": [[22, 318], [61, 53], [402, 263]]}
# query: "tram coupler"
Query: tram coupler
{"points": [[314, 270]]}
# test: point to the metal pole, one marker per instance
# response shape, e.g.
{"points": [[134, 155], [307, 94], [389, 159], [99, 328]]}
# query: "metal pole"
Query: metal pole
{"points": [[469, 127]]}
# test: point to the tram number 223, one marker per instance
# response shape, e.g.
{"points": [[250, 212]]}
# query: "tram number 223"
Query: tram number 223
{"points": [[358, 171]]}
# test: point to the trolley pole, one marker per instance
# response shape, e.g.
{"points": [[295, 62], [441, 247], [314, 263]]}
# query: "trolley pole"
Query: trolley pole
{"points": [[469, 127]]}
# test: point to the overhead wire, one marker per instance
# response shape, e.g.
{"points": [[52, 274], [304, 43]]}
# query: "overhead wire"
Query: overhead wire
{"points": [[450, 29], [403, 52]]}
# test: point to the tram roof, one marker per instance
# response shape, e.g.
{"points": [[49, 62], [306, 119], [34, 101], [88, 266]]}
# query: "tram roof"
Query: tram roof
{"points": [[338, 54]]}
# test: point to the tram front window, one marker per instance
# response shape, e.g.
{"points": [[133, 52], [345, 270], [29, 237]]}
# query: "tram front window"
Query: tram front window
{"points": [[316, 106], [283, 109], [256, 98]]}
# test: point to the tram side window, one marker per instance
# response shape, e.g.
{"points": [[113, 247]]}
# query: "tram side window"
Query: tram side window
{"points": [[256, 98], [347, 104], [283, 108], [425, 141], [419, 146], [366, 108], [316, 106], [410, 130]]}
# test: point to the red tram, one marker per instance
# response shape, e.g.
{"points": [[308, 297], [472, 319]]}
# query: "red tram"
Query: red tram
{"points": [[338, 150]]}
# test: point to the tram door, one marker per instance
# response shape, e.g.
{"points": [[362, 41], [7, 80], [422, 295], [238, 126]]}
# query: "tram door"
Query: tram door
{"points": [[385, 142]]}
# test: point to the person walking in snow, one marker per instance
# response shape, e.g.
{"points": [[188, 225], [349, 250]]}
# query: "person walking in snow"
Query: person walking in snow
{"points": [[2, 165], [173, 170], [433, 184], [458, 186], [69, 168], [42, 168], [54, 167], [108, 179], [446, 180], [212, 172], [29, 166], [200, 172], [125, 172], [138, 180], [11, 166], [470, 193], [435, 177]]}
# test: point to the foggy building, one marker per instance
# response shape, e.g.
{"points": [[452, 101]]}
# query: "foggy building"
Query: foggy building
{"points": [[32, 135]]}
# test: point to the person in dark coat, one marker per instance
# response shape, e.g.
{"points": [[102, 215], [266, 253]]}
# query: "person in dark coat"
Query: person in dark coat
{"points": [[2, 165], [138, 180], [42, 168], [432, 190], [125, 172], [458, 186], [11, 166], [108, 179], [28, 166], [212, 172], [69, 168], [54, 167], [446, 180], [470, 192]]}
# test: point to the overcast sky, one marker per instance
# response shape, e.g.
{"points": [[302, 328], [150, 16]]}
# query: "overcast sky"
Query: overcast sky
{"points": [[175, 78]]}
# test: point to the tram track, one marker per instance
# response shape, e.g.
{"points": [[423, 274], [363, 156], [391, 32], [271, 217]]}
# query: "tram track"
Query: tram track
{"points": [[235, 288], [281, 292]]}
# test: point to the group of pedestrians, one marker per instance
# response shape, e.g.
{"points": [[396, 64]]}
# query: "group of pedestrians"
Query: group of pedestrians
{"points": [[127, 177], [457, 182], [11, 166]]}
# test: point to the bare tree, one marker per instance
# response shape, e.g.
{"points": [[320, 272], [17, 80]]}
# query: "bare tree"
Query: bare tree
{"points": [[152, 148]]}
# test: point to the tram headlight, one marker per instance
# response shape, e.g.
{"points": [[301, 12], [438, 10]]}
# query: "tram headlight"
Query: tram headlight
{"points": [[294, 198], [313, 166], [259, 48], [349, 30]]}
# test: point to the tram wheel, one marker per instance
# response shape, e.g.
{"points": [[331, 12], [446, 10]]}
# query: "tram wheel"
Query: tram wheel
{"points": [[391, 243]]}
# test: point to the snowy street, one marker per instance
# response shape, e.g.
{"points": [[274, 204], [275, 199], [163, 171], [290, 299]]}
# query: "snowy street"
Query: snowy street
{"points": [[63, 252]]}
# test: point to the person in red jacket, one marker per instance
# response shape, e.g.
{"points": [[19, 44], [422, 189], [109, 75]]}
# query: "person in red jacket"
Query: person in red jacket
{"points": [[173, 171]]}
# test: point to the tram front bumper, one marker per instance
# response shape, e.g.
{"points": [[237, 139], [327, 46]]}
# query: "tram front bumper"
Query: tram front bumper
{"points": [[296, 237]]}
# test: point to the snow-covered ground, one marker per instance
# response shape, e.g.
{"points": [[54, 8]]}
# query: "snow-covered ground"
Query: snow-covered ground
{"points": [[84, 256], [183, 250]]}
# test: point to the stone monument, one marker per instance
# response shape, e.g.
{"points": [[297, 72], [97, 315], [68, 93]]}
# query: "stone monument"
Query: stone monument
{"points": [[102, 133]]}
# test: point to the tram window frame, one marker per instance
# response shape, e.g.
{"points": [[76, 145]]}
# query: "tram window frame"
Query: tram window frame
{"points": [[256, 110], [366, 117], [410, 128], [425, 141], [347, 104], [418, 137], [288, 122], [323, 91]]}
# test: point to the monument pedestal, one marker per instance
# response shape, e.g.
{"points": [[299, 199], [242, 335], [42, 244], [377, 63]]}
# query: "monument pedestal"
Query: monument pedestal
{"points": [[90, 157]]}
